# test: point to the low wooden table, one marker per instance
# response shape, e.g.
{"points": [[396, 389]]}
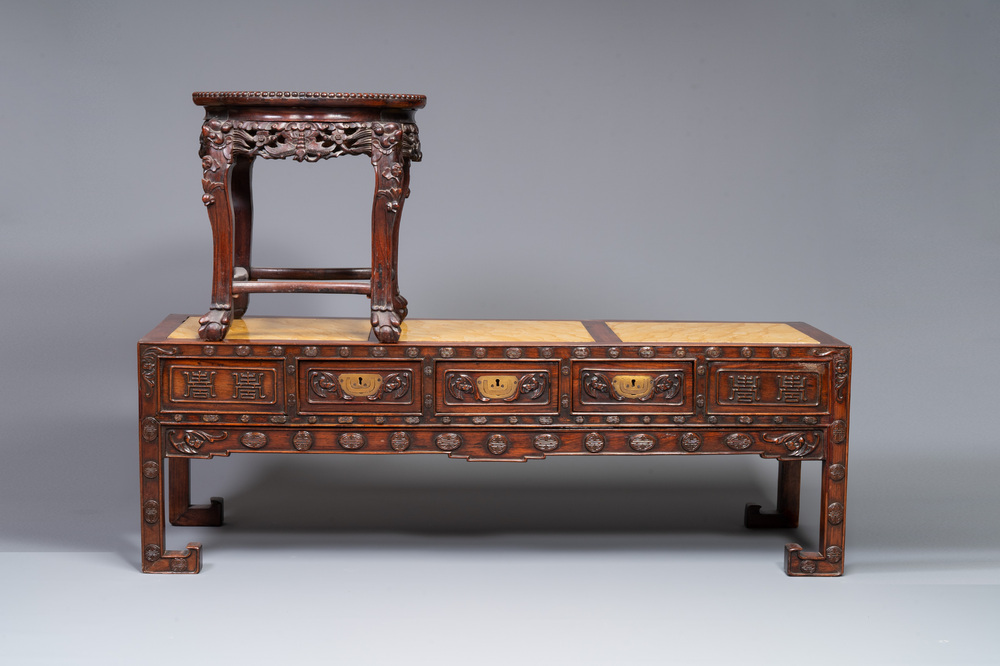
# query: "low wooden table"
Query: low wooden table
{"points": [[494, 390]]}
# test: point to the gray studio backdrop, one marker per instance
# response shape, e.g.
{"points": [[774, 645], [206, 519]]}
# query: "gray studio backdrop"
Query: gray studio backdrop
{"points": [[827, 162]]}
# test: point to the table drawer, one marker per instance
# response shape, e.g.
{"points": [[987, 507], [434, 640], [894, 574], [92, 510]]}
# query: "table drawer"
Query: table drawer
{"points": [[509, 388], [196, 385], [358, 386], [634, 386], [768, 387]]}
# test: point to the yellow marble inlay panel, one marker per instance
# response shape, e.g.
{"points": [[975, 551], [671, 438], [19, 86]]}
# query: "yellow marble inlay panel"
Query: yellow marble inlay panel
{"points": [[283, 328], [488, 330], [709, 332]]}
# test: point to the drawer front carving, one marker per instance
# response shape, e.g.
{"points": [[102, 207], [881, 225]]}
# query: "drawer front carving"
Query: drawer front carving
{"points": [[501, 387], [343, 386], [780, 388], [628, 386], [223, 386]]}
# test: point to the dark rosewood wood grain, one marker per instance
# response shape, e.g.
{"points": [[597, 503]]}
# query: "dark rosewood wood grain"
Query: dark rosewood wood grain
{"points": [[492, 401], [242, 126]]}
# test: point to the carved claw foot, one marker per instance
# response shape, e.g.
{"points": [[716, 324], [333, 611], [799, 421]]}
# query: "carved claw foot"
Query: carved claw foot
{"points": [[386, 323], [755, 519], [200, 515], [801, 563], [172, 561], [215, 325]]}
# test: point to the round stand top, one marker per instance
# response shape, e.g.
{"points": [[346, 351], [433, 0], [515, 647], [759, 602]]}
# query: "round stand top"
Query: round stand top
{"points": [[309, 99]]}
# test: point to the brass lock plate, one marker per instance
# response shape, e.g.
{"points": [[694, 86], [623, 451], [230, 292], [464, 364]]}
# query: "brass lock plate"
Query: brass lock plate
{"points": [[633, 387], [360, 384], [497, 387]]}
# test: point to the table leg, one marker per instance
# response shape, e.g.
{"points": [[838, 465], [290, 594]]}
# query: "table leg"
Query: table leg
{"points": [[829, 559], [242, 202], [155, 559], [182, 512], [787, 514], [217, 164], [390, 182]]}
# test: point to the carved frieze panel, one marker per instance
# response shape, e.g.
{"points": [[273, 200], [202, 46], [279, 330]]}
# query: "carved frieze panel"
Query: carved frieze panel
{"points": [[772, 387], [503, 387], [350, 386], [623, 386], [223, 385]]}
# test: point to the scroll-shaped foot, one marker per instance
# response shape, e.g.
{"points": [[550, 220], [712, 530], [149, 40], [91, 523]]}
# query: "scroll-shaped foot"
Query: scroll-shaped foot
{"points": [[200, 515], [801, 563], [172, 561], [754, 518], [385, 323], [215, 325]]}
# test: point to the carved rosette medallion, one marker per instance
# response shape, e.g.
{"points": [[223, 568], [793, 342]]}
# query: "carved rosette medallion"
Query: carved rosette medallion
{"points": [[834, 554], [739, 441], [647, 352], [837, 472], [447, 352], [178, 564], [302, 441], [594, 442], [399, 441], [545, 352], [150, 429], [208, 350], [746, 352], [412, 352], [242, 350], [254, 440], [448, 441], [379, 352], [151, 512], [713, 352], [352, 441], [514, 352], [799, 444], [150, 469], [546, 442], [151, 553], [189, 441], [641, 442], [807, 566], [310, 351], [838, 431], [344, 351], [497, 444], [690, 441], [779, 352], [835, 513]]}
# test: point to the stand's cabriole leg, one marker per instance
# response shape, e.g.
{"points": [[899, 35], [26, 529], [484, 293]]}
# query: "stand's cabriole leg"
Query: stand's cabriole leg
{"points": [[242, 202], [182, 512], [155, 559], [217, 165], [387, 159], [399, 303], [787, 514]]}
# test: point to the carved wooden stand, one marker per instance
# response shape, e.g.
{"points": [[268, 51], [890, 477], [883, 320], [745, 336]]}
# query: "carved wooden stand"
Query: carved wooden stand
{"points": [[240, 126], [494, 391]]}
